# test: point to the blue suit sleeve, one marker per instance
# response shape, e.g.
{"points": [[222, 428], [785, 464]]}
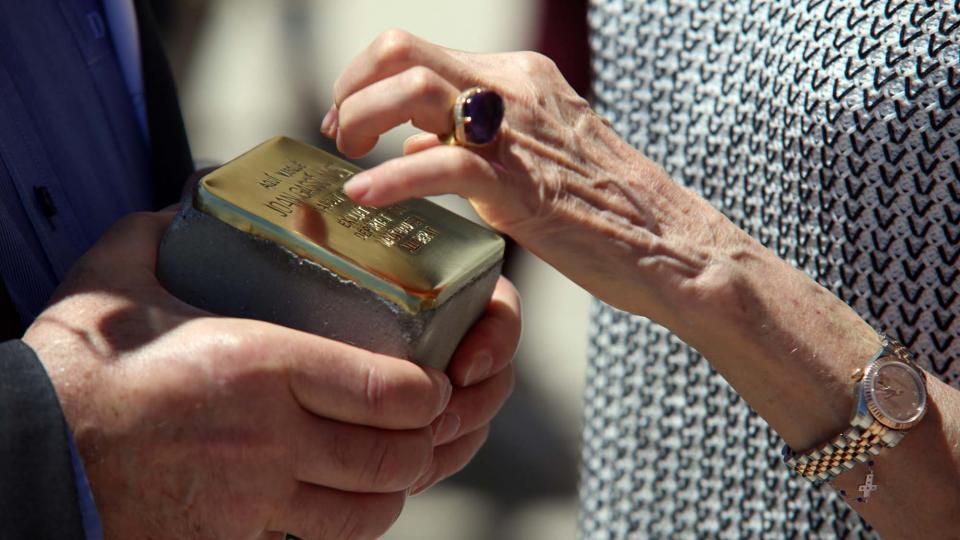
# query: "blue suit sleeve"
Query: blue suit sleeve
{"points": [[38, 482]]}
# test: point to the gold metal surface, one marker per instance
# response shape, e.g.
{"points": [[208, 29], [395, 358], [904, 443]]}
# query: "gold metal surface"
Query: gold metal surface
{"points": [[415, 253], [840, 454]]}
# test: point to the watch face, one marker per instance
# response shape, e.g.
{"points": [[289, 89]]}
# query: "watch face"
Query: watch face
{"points": [[899, 393]]}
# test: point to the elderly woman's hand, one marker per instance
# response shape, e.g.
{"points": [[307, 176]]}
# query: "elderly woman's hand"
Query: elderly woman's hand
{"points": [[560, 182], [557, 179]]}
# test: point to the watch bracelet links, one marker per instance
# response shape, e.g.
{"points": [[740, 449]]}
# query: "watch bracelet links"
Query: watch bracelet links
{"points": [[892, 347], [855, 445]]}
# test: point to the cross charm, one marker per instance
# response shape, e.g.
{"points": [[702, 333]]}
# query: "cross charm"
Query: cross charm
{"points": [[867, 487]]}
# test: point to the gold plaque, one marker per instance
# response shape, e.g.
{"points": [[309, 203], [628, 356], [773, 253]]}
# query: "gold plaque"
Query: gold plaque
{"points": [[415, 253]]}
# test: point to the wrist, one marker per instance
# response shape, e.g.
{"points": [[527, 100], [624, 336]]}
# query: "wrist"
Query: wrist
{"points": [[783, 342], [776, 335], [69, 357]]}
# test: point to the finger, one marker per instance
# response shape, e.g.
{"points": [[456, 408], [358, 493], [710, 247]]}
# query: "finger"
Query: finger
{"points": [[490, 344], [451, 458], [346, 383], [417, 95], [393, 52], [137, 236], [359, 458], [473, 407], [126, 254], [439, 170], [319, 513], [331, 122], [419, 143], [133, 239]]}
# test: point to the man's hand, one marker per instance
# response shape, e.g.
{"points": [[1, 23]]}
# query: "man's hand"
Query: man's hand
{"points": [[483, 379], [194, 426]]}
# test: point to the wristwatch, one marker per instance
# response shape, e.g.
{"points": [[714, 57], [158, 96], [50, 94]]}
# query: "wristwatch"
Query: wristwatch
{"points": [[891, 396]]}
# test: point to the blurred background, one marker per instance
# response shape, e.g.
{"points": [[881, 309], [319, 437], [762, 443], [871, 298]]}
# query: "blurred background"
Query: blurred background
{"points": [[251, 69]]}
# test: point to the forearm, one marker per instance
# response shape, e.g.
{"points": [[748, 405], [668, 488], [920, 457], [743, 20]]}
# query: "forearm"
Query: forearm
{"points": [[643, 243], [564, 185], [789, 348], [787, 345]]}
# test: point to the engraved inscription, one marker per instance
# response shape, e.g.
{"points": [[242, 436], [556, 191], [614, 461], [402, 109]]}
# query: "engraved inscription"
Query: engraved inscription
{"points": [[330, 201], [295, 183], [418, 240]]}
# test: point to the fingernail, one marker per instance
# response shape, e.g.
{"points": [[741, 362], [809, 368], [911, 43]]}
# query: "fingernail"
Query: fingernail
{"points": [[424, 481], [447, 392], [479, 368], [358, 186], [445, 428], [327, 127]]}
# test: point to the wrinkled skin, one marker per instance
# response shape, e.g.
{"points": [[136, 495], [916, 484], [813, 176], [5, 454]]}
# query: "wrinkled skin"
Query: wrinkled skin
{"points": [[557, 179]]}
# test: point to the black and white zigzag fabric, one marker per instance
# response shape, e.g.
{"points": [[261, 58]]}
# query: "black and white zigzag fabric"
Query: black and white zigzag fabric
{"points": [[828, 129]]}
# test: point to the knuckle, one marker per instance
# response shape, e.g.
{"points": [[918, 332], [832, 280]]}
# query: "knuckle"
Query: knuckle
{"points": [[394, 46], [424, 406], [339, 91], [341, 450], [423, 411], [469, 165], [535, 63], [435, 400], [382, 465], [374, 390], [405, 401], [395, 461], [463, 162], [420, 442], [423, 82], [402, 175], [347, 117], [393, 169]]}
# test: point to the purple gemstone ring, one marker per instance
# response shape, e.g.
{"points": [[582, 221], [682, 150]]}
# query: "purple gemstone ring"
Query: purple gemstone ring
{"points": [[477, 115]]}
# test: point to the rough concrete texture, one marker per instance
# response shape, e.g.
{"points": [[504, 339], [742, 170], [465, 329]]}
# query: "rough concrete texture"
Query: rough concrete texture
{"points": [[219, 268]]}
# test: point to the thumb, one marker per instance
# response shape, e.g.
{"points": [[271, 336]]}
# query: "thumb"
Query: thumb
{"points": [[133, 240]]}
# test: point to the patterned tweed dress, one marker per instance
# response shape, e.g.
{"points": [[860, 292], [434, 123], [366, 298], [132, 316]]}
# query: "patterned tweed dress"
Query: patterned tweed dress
{"points": [[829, 130]]}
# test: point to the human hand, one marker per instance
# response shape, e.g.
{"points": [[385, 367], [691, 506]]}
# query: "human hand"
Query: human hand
{"points": [[557, 179], [482, 378], [192, 426]]}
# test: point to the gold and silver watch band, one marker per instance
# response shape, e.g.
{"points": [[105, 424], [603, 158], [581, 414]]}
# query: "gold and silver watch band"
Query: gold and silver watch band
{"points": [[855, 445]]}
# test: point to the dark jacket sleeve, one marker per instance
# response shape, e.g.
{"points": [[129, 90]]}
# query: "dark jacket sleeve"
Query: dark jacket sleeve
{"points": [[38, 494]]}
